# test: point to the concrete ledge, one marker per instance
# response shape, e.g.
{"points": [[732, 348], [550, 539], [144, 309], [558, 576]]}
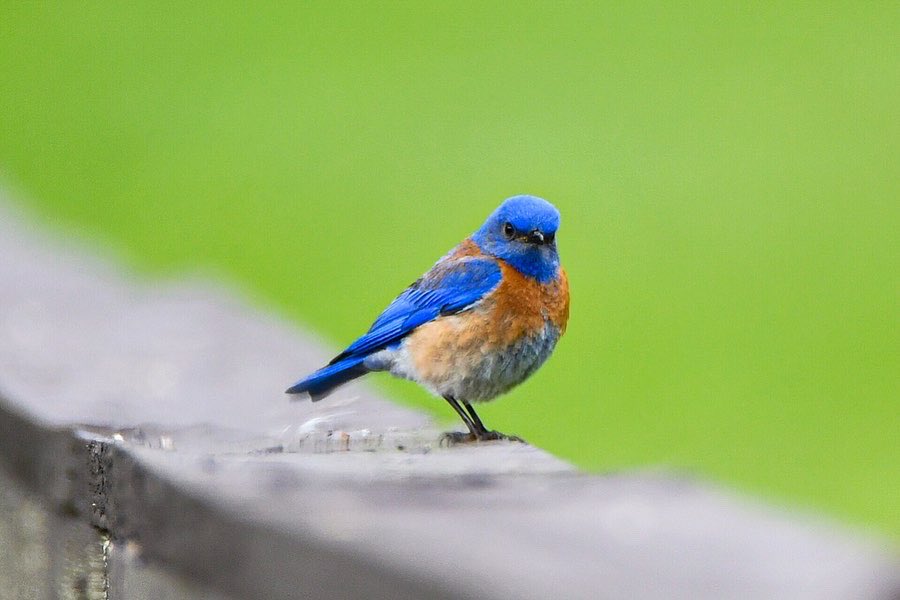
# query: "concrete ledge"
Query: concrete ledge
{"points": [[154, 413]]}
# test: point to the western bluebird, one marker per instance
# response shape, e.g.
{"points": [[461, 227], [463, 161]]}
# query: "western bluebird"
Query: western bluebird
{"points": [[478, 323]]}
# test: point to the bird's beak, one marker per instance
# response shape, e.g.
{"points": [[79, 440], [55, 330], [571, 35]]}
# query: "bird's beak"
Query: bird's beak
{"points": [[536, 237]]}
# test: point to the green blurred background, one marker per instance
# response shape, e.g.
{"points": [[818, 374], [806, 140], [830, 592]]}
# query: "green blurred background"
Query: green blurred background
{"points": [[728, 179]]}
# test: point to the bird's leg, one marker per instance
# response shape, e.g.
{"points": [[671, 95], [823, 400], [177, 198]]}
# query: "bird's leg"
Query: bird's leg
{"points": [[455, 437], [482, 433], [476, 420]]}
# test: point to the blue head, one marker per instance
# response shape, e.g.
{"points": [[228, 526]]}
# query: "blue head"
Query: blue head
{"points": [[522, 231]]}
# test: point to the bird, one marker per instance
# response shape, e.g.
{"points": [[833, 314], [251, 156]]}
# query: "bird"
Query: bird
{"points": [[481, 321]]}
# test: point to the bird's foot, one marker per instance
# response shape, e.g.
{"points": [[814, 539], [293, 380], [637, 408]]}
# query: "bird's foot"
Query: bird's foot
{"points": [[451, 438], [487, 436]]}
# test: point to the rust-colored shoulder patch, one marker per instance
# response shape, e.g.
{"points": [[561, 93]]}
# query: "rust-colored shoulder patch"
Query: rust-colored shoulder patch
{"points": [[467, 248]]}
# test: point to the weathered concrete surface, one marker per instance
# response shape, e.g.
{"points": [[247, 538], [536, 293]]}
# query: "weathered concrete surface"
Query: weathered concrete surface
{"points": [[154, 412], [44, 554]]}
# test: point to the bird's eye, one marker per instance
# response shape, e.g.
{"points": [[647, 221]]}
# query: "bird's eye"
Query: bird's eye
{"points": [[508, 230]]}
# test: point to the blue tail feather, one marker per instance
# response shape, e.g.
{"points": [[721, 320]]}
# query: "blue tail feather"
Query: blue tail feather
{"points": [[325, 380]]}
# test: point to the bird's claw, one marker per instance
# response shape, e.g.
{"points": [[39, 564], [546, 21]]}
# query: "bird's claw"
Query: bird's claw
{"points": [[496, 435], [451, 438]]}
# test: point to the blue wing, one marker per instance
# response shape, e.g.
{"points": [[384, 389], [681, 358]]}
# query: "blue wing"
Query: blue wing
{"points": [[446, 289], [449, 287]]}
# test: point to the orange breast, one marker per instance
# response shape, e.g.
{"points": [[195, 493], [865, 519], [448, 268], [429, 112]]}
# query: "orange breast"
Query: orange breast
{"points": [[520, 307], [524, 305]]}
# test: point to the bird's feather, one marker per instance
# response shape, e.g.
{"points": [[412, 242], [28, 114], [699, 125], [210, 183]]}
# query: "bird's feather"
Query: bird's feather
{"points": [[449, 287], [319, 384], [453, 285]]}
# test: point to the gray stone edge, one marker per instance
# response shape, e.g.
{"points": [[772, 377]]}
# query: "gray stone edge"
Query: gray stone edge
{"points": [[101, 483]]}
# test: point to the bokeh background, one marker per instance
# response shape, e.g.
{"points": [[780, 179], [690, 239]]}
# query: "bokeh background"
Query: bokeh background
{"points": [[727, 175]]}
